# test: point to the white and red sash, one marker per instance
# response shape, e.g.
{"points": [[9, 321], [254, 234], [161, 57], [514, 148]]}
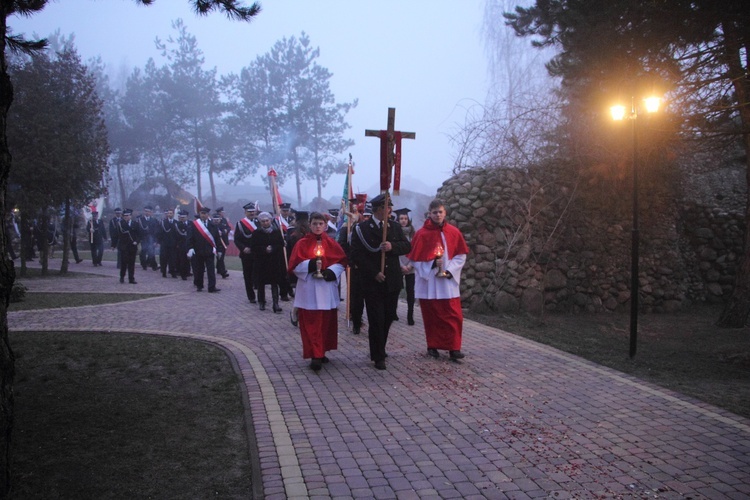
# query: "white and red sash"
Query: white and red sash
{"points": [[249, 225], [283, 223], [204, 232]]}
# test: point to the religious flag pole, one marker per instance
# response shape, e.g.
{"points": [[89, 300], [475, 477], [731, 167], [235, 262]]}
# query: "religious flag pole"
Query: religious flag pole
{"points": [[345, 208], [276, 203], [390, 160]]}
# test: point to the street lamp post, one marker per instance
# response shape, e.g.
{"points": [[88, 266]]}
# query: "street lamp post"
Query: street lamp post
{"points": [[651, 105]]}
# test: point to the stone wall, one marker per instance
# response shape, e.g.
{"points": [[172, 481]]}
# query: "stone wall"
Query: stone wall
{"points": [[537, 244]]}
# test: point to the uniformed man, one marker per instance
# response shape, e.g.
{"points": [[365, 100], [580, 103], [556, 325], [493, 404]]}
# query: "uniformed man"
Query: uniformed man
{"points": [[379, 288], [203, 241], [243, 232], [221, 245], [128, 240], [114, 234], [96, 236], [181, 245], [166, 235], [147, 226]]}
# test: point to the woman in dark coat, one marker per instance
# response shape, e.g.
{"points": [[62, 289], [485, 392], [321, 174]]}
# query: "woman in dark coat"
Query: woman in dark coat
{"points": [[269, 266]]}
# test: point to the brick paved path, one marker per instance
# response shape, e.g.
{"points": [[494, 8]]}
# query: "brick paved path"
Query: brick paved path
{"points": [[515, 420]]}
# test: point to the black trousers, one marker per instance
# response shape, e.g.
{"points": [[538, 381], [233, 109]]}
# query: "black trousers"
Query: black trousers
{"points": [[356, 302], [168, 259], [128, 254], [381, 309], [409, 280], [97, 251], [247, 274], [203, 263]]}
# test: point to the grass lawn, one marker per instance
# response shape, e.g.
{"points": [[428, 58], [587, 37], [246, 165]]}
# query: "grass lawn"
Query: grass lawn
{"points": [[127, 416]]}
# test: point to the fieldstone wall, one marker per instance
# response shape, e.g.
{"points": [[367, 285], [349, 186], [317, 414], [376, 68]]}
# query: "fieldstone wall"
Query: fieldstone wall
{"points": [[535, 244]]}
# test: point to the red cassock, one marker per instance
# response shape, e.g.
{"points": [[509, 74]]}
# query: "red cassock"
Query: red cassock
{"points": [[318, 320], [443, 317]]}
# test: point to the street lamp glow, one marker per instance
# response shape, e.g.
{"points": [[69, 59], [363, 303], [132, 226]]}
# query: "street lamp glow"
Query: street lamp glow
{"points": [[618, 112], [652, 104]]}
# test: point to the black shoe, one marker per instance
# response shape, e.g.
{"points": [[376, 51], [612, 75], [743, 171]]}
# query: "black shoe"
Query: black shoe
{"points": [[276, 308], [294, 321], [316, 364], [284, 299], [253, 301], [133, 282], [433, 352], [163, 275], [199, 289], [380, 365], [262, 306], [456, 355], [79, 261], [410, 321], [395, 318], [184, 278], [214, 290], [324, 360], [122, 280], [356, 329], [225, 275]]}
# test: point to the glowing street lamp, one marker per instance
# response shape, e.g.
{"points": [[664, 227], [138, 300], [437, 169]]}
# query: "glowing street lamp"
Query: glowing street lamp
{"points": [[619, 113]]}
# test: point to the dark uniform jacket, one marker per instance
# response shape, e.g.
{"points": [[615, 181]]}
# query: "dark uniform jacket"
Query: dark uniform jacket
{"points": [[98, 233], [243, 237], [198, 242], [127, 235], [366, 255], [114, 231]]}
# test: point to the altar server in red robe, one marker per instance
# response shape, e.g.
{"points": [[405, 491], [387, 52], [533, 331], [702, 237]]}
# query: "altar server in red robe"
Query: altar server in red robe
{"points": [[438, 253], [317, 261]]}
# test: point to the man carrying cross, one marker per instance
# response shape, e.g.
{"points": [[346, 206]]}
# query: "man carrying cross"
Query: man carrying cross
{"points": [[375, 249]]}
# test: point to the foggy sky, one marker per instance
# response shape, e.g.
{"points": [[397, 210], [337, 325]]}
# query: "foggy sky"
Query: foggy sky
{"points": [[423, 57]]}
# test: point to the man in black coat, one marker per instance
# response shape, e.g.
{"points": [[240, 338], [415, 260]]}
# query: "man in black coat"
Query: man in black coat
{"points": [[203, 238], [379, 288], [96, 235], [243, 233], [222, 244], [128, 240], [114, 234], [167, 238], [148, 225], [182, 227]]}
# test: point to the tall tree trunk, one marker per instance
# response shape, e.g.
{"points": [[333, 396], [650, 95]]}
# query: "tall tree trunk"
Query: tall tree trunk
{"points": [[736, 311], [121, 184], [211, 183], [67, 232], [7, 274], [43, 243], [297, 177]]}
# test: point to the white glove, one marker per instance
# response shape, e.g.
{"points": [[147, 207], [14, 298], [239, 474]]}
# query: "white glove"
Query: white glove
{"points": [[190, 253]]}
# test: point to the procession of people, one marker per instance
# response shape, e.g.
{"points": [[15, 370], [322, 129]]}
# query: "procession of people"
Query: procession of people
{"points": [[306, 257]]}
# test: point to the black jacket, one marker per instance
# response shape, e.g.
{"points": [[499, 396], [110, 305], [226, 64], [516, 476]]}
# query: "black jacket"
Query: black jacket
{"points": [[366, 256], [198, 242]]}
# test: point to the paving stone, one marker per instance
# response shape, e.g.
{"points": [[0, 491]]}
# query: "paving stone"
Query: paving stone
{"points": [[537, 423]]}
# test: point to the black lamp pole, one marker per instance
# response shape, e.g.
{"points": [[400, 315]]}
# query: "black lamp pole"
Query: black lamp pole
{"points": [[635, 239]]}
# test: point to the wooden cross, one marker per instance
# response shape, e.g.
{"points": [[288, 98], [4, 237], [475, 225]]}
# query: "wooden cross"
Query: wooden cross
{"points": [[389, 139]]}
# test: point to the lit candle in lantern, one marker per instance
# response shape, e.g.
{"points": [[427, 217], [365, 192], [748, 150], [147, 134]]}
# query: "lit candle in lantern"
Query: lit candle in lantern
{"points": [[318, 259], [439, 255]]}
